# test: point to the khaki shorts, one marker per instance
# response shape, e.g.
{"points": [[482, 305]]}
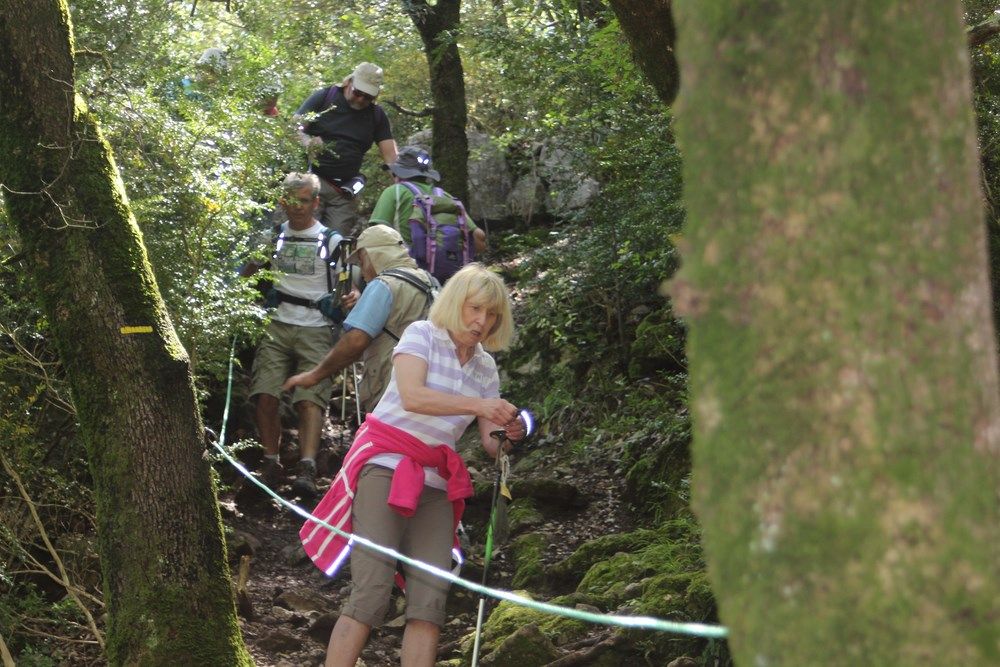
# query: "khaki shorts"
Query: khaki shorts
{"points": [[427, 536], [336, 211], [288, 349]]}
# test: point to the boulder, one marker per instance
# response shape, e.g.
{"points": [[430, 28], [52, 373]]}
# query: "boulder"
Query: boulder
{"points": [[241, 543], [490, 178], [527, 197], [279, 641], [322, 626], [523, 515], [569, 187], [528, 551], [303, 600], [527, 646]]}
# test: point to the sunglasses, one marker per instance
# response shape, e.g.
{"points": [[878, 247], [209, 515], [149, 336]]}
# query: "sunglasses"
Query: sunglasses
{"points": [[363, 95]]}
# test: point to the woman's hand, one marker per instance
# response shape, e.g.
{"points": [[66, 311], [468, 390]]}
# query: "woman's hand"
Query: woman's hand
{"points": [[515, 429], [497, 410]]}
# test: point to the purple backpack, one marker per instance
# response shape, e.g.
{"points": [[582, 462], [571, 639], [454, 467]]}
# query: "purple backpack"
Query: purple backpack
{"points": [[441, 242]]}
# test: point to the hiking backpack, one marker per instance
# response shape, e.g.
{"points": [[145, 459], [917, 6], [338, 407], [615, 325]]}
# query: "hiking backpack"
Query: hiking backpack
{"points": [[441, 248], [430, 292]]}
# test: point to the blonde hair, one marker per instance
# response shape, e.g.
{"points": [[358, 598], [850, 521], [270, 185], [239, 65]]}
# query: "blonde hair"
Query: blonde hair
{"points": [[474, 282]]}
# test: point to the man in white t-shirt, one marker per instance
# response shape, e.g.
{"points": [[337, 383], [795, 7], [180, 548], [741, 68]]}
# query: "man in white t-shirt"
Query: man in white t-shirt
{"points": [[299, 335]]}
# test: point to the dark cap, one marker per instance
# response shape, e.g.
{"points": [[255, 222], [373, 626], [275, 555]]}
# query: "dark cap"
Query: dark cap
{"points": [[412, 161]]}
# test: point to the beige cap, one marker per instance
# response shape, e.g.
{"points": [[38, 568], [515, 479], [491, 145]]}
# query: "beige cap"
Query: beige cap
{"points": [[376, 236], [367, 78]]}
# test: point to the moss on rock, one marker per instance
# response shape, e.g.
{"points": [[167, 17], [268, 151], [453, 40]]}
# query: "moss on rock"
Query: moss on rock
{"points": [[527, 646], [528, 551], [572, 568], [523, 514], [508, 618]]}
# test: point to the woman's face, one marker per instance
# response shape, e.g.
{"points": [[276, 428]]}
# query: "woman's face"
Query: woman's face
{"points": [[479, 322]]}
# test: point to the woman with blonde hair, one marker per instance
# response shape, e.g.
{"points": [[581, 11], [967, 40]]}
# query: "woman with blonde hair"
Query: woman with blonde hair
{"points": [[402, 484]]}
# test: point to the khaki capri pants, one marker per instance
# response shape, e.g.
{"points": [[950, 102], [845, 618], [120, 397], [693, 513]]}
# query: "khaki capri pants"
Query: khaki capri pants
{"points": [[427, 536]]}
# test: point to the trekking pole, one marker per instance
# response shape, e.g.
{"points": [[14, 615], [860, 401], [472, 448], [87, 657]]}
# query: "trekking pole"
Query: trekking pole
{"points": [[343, 284], [499, 486], [357, 391]]}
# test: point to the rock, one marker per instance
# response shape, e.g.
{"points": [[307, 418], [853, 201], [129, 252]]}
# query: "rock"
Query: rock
{"points": [[528, 551], [589, 608], [523, 515], [294, 555], [489, 178], [527, 198], [527, 646], [279, 641], [548, 493], [283, 615], [569, 186], [322, 626], [683, 661], [302, 600], [241, 543]]}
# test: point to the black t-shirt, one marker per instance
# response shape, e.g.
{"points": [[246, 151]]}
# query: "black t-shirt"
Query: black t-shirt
{"points": [[348, 132]]}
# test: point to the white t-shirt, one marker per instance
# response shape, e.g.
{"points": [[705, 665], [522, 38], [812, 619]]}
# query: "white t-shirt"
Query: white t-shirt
{"points": [[478, 378], [301, 270]]}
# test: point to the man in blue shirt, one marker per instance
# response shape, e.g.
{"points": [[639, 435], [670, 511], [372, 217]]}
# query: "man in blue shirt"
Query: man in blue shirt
{"points": [[397, 294]]}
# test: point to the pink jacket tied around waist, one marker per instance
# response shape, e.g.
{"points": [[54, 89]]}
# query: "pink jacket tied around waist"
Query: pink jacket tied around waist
{"points": [[327, 548]]}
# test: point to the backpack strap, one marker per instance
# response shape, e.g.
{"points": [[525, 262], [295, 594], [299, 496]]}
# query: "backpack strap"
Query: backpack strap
{"points": [[426, 288], [331, 92], [463, 217], [278, 236]]}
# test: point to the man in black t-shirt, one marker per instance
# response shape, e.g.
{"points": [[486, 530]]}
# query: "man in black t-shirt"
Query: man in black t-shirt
{"points": [[346, 123]]}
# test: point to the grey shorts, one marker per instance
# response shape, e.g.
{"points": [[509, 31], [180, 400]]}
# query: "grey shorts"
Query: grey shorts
{"points": [[427, 536], [288, 349], [336, 211]]}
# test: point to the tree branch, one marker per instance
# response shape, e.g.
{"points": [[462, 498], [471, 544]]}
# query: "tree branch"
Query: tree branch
{"points": [[64, 578], [428, 111], [983, 32]]}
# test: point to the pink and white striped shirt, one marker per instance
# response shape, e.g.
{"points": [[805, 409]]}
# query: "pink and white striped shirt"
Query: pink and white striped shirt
{"points": [[477, 378]]}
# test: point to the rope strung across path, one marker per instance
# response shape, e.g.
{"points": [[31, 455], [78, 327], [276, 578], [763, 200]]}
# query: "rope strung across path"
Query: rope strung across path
{"points": [[647, 622]]}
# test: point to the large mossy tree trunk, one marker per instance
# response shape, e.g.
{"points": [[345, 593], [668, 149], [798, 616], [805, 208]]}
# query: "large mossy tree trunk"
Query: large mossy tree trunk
{"points": [[438, 28], [842, 355], [166, 582]]}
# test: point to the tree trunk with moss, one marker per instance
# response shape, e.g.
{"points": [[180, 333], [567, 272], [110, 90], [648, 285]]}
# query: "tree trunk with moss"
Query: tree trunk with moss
{"points": [[438, 28], [166, 582], [842, 356]]}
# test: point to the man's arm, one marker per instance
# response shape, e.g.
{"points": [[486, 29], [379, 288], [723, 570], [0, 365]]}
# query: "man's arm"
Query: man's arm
{"points": [[348, 349], [479, 240], [387, 147]]}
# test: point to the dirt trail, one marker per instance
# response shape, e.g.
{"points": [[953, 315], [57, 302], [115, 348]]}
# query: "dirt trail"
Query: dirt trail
{"points": [[294, 605]]}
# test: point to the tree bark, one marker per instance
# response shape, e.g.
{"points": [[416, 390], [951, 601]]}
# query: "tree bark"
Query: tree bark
{"points": [[438, 28], [842, 355], [166, 581], [649, 27]]}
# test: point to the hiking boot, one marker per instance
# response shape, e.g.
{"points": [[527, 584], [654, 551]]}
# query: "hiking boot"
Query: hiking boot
{"points": [[271, 473], [304, 485]]}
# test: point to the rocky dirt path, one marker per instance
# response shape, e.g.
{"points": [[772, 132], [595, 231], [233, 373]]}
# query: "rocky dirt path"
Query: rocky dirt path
{"points": [[290, 606]]}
